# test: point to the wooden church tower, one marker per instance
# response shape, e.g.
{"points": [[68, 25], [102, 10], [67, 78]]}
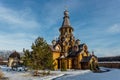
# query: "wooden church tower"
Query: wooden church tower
{"points": [[68, 51], [66, 38]]}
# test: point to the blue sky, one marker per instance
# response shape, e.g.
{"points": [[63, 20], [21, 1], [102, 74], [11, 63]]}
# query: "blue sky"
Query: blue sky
{"points": [[95, 22]]}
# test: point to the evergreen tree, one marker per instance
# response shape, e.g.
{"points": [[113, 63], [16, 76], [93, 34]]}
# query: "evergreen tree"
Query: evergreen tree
{"points": [[27, 58], [40, 56]]}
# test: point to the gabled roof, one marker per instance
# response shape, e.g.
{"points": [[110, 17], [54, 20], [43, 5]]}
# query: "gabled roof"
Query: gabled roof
{"points": [[14, 55]]}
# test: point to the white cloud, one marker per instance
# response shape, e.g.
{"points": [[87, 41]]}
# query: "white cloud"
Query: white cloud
{"points": [[104, 46], [16, 41], [114, 29], [17, 19], [107, 51]]}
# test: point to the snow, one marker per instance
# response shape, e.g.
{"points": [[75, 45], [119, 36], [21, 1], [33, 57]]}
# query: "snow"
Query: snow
{"points": [[113, 74], [16, 75]]}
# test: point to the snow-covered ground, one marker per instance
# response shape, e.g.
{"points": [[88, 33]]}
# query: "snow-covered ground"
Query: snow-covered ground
{"points": [[15, 75], [113, 74]]}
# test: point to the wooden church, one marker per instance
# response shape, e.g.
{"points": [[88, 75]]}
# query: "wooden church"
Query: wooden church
{"points": [[68, 51]]}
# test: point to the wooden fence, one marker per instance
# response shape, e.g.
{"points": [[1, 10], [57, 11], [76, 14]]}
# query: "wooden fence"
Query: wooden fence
{"points": [[110, 64]]}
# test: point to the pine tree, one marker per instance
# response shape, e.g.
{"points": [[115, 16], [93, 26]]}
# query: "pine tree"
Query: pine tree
{"points": [[27, 62], [40, 56]]}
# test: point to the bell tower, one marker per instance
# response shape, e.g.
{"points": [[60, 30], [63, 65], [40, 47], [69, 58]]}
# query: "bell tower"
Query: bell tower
{"points": [[66, 37]]}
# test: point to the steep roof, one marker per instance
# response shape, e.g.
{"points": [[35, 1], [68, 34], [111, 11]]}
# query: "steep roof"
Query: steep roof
{"points": [[66, 21], [15, 54]]}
